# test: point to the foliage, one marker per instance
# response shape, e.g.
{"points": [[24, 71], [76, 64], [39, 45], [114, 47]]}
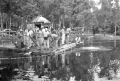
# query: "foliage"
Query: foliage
{"points": [[75, 12]]}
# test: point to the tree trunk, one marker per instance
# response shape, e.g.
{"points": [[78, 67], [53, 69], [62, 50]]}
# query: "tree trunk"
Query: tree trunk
{"points": [[59, 23], [83, 24], [52, 25], [1, 21], [10, 22], [10, 25], [22, 24], [105, 26], [115, 34], [70, 24], [52, 20], [63, 20], [105, 23]]}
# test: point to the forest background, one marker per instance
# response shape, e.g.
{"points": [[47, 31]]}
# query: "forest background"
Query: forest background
{"points": [[68, 13]]}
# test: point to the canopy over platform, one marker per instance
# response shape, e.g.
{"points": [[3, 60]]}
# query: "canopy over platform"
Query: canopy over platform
{"points": [[40, 19]]}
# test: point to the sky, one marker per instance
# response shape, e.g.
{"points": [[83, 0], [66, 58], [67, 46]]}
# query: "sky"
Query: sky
{"points": [[96, 1], [98, 6]]}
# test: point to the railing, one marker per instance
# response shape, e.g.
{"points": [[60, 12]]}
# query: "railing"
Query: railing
{"points": [[7, 33], [4, 42], [5, 38]]}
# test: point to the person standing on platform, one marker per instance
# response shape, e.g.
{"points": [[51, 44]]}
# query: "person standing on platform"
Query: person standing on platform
{"points": [[46, 34], [39, 37], [59, 37], [63, 35], [26, 37], [30, 35], [54, 37], [42, 38], [78, 39], [36, 29], [68, 31]]}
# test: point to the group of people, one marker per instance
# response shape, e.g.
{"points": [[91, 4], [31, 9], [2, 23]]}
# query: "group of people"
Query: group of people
{"points": [[65, 35], [37, 36], [42, 37], [45, 37]]}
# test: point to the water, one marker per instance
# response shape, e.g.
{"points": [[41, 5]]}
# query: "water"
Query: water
{"points": [[76, 64]]}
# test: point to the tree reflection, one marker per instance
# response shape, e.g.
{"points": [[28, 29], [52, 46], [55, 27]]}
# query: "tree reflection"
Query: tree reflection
{"points": [[79, 66], [83, 66]]}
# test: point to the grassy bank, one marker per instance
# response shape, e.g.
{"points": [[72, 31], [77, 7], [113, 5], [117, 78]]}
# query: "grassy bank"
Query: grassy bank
{"points": [[107, 37]]}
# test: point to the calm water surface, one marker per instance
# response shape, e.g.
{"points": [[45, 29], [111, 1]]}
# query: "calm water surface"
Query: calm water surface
{"points": [[79, 63]]}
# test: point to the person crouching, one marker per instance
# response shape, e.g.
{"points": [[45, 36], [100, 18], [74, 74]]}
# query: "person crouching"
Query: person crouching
{"points": [[78, 39]]}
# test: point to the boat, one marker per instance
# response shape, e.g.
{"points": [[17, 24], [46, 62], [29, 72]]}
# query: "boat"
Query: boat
{"points": [[65, 47]]}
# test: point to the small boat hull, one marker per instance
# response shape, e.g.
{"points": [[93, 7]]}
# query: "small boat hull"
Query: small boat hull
{"points": [[65, 47]]}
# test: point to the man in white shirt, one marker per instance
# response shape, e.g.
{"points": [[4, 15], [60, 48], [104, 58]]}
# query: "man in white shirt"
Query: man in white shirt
{"points": [[30, 35], [68, 31], [26, 37], [63, 35], [39, 36], [36, 29], [78, 39], [46, 37]]}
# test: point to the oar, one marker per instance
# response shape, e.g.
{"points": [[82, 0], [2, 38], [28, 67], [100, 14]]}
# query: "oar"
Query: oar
{"points": [[34, 41]]}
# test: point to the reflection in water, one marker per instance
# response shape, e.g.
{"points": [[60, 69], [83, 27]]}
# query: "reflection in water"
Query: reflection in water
{"points": [[77, 65], [91, 57], [78, 53], [84, 66]]}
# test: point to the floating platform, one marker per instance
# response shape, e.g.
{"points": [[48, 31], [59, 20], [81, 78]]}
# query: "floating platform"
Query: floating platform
{"points": [[10, 52], [35, 50], [51, 51]]}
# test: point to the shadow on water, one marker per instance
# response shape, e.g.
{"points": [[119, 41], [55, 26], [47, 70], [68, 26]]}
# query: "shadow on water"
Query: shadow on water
{"points": [[85, 65]]}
